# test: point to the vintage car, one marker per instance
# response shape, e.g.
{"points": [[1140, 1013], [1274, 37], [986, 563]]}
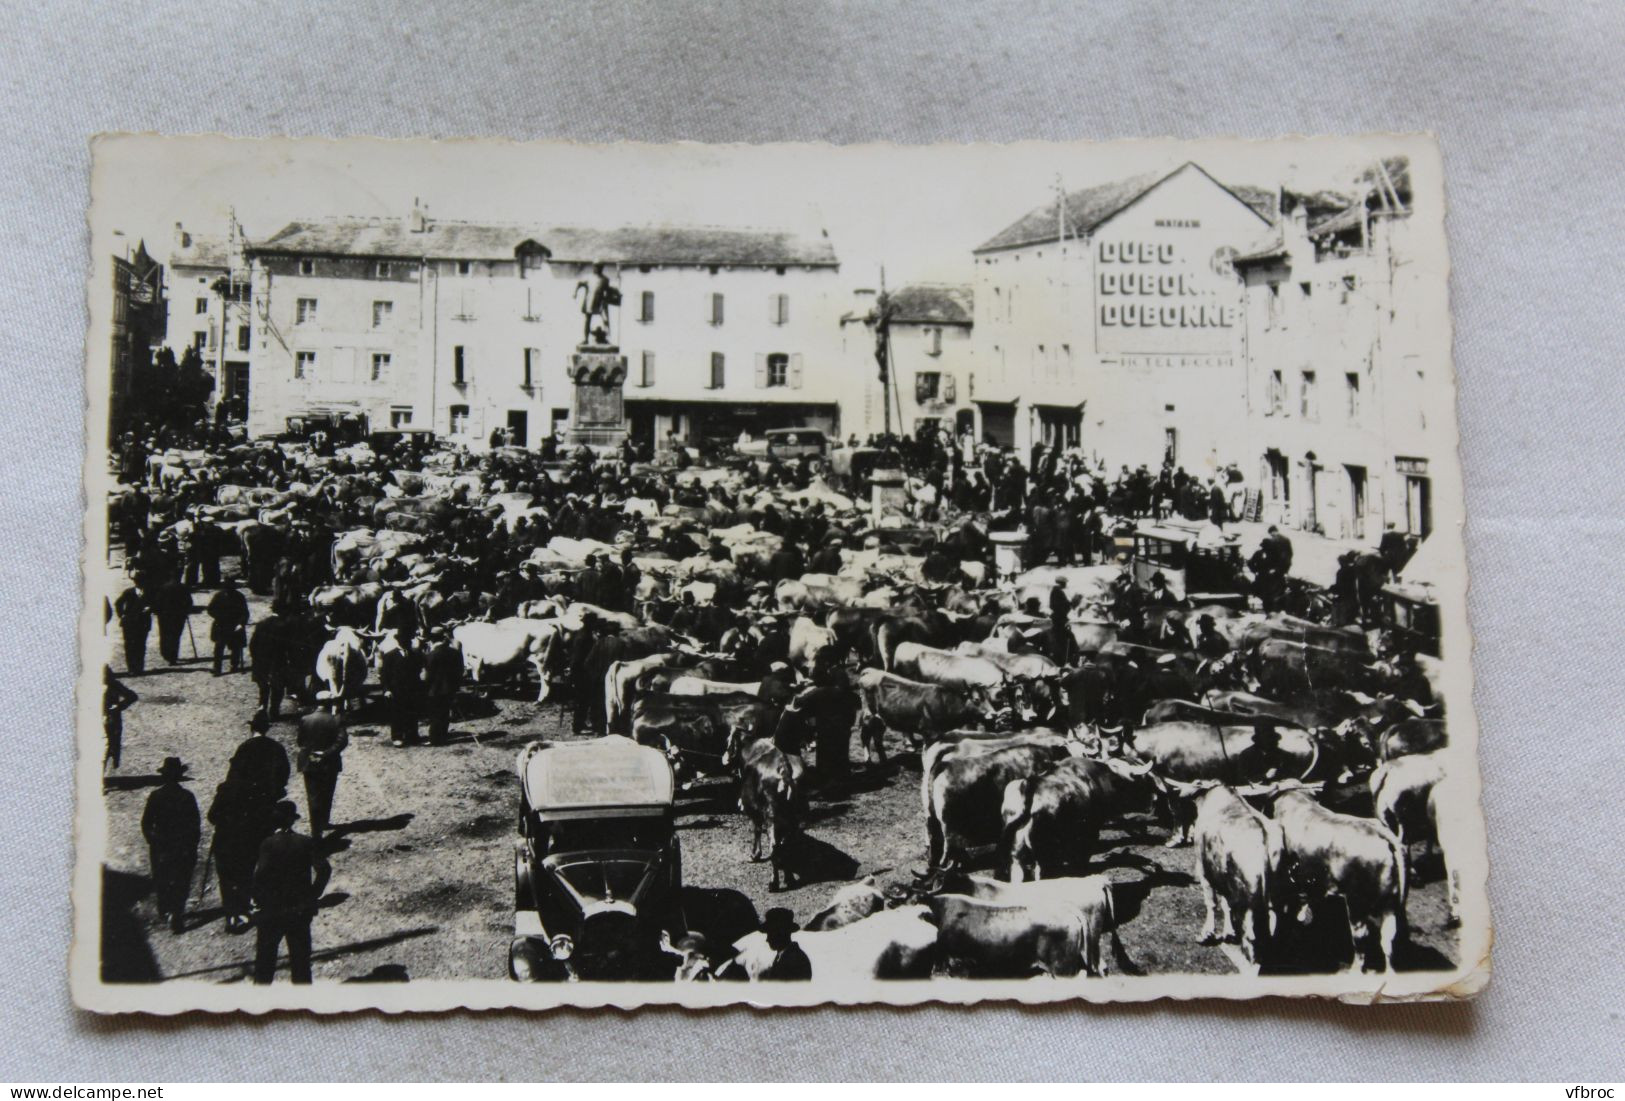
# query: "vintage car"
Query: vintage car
{"points": [[1201, 565], [597, 866], [786, 443]]}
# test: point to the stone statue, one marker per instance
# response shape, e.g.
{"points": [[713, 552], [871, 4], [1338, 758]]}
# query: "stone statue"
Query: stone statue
{"points": [[596, 299]]}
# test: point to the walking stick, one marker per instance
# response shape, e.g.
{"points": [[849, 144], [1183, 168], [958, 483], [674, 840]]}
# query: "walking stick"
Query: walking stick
{"points": [[191, 638], [203, 884]]}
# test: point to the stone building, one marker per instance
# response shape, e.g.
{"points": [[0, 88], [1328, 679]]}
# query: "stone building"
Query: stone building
{"points": [[464, 328], [1342, 347], [1110, 319], [931, 371]]}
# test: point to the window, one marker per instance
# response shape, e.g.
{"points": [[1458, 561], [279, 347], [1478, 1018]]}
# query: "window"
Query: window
{"points": [[927, 386], [1170, 446], [1307, 406], [400, 416], [459, 420], [306, 311], [200, 340], [202, 306], [778, 370], [1272, 318], [381, 312], [464, 267], [1277, 394], [647, 376], [380, 367], [533, 357], [778, 309], [1306, 288], [716, 309], [304, 364], [307, 267], [459, 365], [1351, 385], [242, 338], [933, 342], [718, 369], [382, 269], [646, 306]]}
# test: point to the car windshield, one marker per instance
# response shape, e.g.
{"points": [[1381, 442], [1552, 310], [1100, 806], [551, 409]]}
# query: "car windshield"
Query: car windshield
{"points": [[607, 833]]}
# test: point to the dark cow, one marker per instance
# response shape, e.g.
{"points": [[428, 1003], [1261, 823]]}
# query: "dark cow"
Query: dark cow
{"points": [[962, 786], [1411, 736], [1052, 821], [920, 711], [991, 938], [698, 727], [931, 628], [772, 795], [1290, 670]]}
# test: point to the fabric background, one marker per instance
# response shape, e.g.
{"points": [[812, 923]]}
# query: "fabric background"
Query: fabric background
{"points": [[1528, 103]]}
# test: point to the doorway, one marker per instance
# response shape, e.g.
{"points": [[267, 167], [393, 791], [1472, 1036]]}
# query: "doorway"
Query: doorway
{"points": [[518, 428], [1418, 506], [1357, 501]]}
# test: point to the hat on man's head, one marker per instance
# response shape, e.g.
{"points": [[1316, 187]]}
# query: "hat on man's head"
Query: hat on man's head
{"points": [[173, 768], [779, 920], [285, 813], [260, 723]]}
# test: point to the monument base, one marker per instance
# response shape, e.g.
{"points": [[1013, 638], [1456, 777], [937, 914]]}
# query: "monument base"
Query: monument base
{"points": [[597, 407]]}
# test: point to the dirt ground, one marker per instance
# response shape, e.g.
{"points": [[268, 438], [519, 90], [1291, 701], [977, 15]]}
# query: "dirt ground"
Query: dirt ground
{"points": [[422, 850]]}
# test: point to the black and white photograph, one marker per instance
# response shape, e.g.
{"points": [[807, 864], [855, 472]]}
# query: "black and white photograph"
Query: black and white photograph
{"points": [[534, 574]]}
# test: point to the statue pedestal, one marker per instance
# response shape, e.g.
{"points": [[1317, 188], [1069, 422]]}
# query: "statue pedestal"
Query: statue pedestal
{"points": [[888, 491], [1009, 549], [597, 405]]}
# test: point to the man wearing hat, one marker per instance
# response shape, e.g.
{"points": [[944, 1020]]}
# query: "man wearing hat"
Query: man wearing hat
{"points": [[321, 741], [263, 760], [778, 957], [1060, 612], [1209, 643], [289, 879], [241, 817], [172, 827], [134, 611], [229, 612], [442, 676]]}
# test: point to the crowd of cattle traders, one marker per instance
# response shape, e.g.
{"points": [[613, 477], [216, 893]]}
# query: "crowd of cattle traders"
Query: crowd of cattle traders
{"points": [[749, 618]]}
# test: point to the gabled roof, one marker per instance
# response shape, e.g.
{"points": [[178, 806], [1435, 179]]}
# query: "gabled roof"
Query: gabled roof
{"points": [[680, 245], [1089, 208], [202, 250], [932, 304]]}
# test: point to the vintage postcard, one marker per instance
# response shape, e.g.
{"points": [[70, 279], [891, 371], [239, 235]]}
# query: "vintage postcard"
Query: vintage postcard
{"points": [[547, 574]]}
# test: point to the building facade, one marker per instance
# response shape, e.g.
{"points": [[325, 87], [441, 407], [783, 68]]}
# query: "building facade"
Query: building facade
{"points": [[465, 328], [210, 309], [1110, 320], [930, 360], [139, 311], [1338, 366]]}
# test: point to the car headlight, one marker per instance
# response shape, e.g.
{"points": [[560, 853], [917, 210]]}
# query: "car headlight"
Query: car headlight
{"points": [[562, 947]]}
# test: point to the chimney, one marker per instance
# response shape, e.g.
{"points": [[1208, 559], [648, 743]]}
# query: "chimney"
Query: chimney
{"points": [[418, 222], [183, 239]]}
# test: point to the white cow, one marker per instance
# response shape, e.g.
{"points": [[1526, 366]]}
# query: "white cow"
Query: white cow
{"points": [[341, 665]]}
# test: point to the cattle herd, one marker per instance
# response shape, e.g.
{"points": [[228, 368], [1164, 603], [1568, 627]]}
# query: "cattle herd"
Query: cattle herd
{"points": [[751, 620]]}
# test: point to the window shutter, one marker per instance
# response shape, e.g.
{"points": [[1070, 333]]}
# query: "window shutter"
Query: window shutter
{"points": [[773, 309], [795, 370], [948, 389], [717, 377], [784, 309], [761, 371], [716, 309], [648, 368], [648, 305]]}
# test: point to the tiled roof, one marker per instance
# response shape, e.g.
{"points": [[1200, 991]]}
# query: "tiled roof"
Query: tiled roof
{"points": [[932, 304], [626, 245], [201, 251], [1088, 208]]}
